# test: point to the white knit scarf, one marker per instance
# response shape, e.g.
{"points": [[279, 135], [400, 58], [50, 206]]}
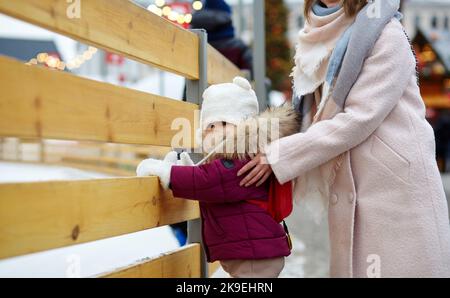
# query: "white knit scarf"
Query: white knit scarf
{"points": [[316, 42]]}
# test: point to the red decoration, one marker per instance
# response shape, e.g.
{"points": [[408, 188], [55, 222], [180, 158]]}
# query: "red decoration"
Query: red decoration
{"points": [[182, 8], [122, 78], [114, 59]]}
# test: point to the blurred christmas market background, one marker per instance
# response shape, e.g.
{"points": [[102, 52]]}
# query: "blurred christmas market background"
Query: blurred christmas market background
{"points": [[426, 21]]}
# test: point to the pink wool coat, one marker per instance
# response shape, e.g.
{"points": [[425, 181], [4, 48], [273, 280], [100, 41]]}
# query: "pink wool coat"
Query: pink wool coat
{"points": [[388, 214]]}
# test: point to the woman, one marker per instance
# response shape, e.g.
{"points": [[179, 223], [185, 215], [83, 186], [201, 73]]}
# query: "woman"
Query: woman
{"points": [[365, 146]]}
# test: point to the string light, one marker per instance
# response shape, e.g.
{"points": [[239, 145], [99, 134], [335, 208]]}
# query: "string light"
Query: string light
{"points": [[197, 5], [160, 3], [173, 16], [56, 63], [42, 57], [155, 9], [52, 62], [166, 10], [188, 18], [160, 8], [180, 19]]}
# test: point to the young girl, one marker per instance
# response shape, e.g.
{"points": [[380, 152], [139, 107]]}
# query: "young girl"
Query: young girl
{"points": [[239, 227]]}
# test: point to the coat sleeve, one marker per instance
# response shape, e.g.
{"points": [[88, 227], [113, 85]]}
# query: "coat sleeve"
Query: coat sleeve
{"points": [[210, 183], [382, 82]]}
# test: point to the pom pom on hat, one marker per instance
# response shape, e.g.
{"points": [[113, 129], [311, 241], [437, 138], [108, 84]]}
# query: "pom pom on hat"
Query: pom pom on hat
{"points": [[243, 83]]}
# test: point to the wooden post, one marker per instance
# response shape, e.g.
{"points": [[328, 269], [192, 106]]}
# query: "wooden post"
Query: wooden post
{"points": [[259, 53], [194, 93]]}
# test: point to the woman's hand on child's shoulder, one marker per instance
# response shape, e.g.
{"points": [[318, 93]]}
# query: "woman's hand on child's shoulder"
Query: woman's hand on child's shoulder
{"points": [[260, 171]]}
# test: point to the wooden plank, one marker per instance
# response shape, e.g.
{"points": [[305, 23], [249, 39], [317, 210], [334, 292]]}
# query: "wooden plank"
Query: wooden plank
{"points": [[183, 263], [213, 267], [118, 26], [220, 69], [43, 103], [100, 160], [41, 216], [93, 168], [99, 169], [114, 172], [142, 150]]}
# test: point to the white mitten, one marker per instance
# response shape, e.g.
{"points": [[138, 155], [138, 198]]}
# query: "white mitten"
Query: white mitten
{"points": [[185, 160], [160, 168]]}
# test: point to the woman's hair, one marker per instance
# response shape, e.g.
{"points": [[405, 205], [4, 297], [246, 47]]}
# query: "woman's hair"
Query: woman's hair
{"points": [[351, 7]]}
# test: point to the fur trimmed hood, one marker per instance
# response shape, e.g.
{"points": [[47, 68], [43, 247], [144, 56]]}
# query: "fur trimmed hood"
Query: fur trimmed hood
{"points": [[251, 136]]}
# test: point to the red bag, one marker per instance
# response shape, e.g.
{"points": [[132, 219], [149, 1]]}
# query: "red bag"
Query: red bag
{"points": [[280, 204]]}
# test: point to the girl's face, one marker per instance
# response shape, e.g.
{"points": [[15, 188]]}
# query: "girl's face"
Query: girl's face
{"points": [[215, 134]]}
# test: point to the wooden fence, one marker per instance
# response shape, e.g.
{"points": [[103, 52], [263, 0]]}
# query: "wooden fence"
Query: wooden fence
{"points": [[111, 159], [40, 103]]}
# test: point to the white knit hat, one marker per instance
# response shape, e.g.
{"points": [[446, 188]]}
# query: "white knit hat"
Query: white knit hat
{"points": [[230, 102]]}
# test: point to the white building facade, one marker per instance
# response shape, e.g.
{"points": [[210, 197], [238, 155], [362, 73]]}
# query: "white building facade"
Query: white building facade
{"points": [[428, 14]]}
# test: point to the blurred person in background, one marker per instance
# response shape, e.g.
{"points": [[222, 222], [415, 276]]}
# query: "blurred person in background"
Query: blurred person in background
{"points": [[216, 19]]}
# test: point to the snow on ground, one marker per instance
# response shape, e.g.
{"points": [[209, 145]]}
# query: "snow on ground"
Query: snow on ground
{"points": [[86, 259], [16, 172], [295, 263], [163, 83], [90, 259]]}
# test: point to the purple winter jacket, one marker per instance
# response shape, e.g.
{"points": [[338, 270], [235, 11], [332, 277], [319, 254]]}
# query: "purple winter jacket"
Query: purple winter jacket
{"points": [[233, 229]]}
